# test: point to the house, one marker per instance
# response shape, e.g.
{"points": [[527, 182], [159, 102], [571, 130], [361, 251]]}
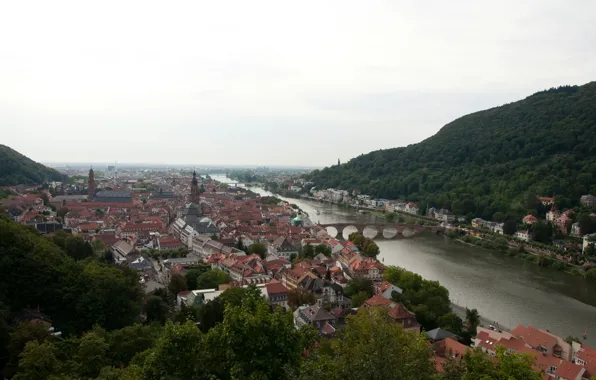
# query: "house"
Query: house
{"points": [[588, 240], [139, 263], [587, 200], [552, 214], [315, 316], [485, 343], [496, 227], [547, 201], [326, 293], [479, 223], [438, 334], [523, 235], [411, 208], [529, 219], [445, 216], [445, 349], [543, 341], [283, 247], [121, 249], [586, 357], [368, 268], [576, 230], [563, 222], [277, 294], [396, 311], [567, 370], [386, 289]]}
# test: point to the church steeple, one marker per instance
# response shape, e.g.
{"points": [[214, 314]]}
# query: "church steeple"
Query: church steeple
{"points": [[194, 188], [91, 185]]}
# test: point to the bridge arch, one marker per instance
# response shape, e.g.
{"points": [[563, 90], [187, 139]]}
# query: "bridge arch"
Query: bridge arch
{"points": [[370, 232], [347, 230]]}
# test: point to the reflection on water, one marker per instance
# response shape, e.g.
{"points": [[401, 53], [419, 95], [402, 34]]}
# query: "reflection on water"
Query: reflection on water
{"points": [[506, 289]]}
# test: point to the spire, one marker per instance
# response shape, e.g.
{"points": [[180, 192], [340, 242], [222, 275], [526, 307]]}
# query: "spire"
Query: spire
{"points": [[194, 188], [91, 185]]}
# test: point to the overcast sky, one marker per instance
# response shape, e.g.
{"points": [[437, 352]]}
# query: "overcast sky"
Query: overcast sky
{"points": [[277, 83]]}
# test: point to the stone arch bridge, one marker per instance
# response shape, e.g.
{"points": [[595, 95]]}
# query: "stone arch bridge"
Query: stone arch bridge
{"points": [[378, 231]]}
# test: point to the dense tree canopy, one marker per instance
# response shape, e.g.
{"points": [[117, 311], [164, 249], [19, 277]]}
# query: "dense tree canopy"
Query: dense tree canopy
{"points": [[75, 294], [427, 299], [366, 246], [17, 169], [488, 161]]}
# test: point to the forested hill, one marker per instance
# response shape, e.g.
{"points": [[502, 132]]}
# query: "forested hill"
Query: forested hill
{"points": [[490, 160], [16, 169]]}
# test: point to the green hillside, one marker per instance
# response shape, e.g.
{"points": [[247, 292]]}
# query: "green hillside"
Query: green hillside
{"points": [[16, 169], [489, 161]]}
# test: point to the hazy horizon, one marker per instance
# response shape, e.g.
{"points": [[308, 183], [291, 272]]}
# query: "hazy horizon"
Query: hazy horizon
{"points": [[264, 82]]}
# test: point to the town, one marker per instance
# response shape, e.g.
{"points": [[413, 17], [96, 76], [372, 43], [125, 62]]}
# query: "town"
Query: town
{"points": [[564, 236], [169, 228]]}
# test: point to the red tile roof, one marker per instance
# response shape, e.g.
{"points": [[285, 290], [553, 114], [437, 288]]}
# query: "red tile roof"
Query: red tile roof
{"points": [[534, 337], [568, 371], [275, 287], [377, 300]]}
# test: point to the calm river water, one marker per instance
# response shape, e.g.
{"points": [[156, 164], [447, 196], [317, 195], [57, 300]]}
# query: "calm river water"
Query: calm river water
{"points": [[505, 289]]}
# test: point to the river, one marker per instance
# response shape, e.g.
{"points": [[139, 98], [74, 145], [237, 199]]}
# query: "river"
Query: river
{"points": [[505, 289]]}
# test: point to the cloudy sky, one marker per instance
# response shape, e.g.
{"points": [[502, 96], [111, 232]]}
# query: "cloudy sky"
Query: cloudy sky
{"points": [[277, 83]]}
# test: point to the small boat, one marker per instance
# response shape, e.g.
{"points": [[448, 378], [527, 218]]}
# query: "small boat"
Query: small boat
{"points": [[363, 211], [318, 212], [586, 334]]}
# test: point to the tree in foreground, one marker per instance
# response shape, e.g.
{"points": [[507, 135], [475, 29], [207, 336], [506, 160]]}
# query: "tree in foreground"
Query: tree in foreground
{"points": [[506, 366], [372, 347]]}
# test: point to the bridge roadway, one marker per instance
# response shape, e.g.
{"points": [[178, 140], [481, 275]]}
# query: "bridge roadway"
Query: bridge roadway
{"points": [[381, 230]]}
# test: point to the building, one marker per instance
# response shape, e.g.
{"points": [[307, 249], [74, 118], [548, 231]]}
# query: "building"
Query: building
{"points": [[563, 222], [368, 268], [523, 235], [315, 316], [396, 311], [547, 201], [588, 240], [277, 294], [587, 200], [411, 208], [386, 289], [576, 230], [195, 194], [91, 184], [529, 219], [113, 196], [283, 247], [192, 223], [444, 215]]}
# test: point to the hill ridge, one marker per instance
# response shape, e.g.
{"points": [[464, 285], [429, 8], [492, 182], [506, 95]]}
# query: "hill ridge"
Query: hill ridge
{"points": [[18, 169], [542, 144]]}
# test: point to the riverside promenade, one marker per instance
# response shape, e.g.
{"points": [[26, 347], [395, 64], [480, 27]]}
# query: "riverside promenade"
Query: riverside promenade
{"points": [[484, 322]]}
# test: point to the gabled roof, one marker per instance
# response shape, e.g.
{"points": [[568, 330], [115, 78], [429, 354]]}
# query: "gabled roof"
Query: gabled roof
{"points": [[568, 370], [533, 336], [439, 334], [377, 300], [275, 288]]}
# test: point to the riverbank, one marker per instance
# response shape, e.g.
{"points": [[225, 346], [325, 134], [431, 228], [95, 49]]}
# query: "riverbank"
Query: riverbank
{"points": [[500, 287], [520, 251], [460, 311]]}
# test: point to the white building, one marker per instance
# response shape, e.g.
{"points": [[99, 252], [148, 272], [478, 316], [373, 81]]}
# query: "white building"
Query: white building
{"points": [[523, 235]]}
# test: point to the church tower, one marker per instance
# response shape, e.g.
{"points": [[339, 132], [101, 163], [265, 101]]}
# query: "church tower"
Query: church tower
{"points": [[194, 189], [91, 185]]}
